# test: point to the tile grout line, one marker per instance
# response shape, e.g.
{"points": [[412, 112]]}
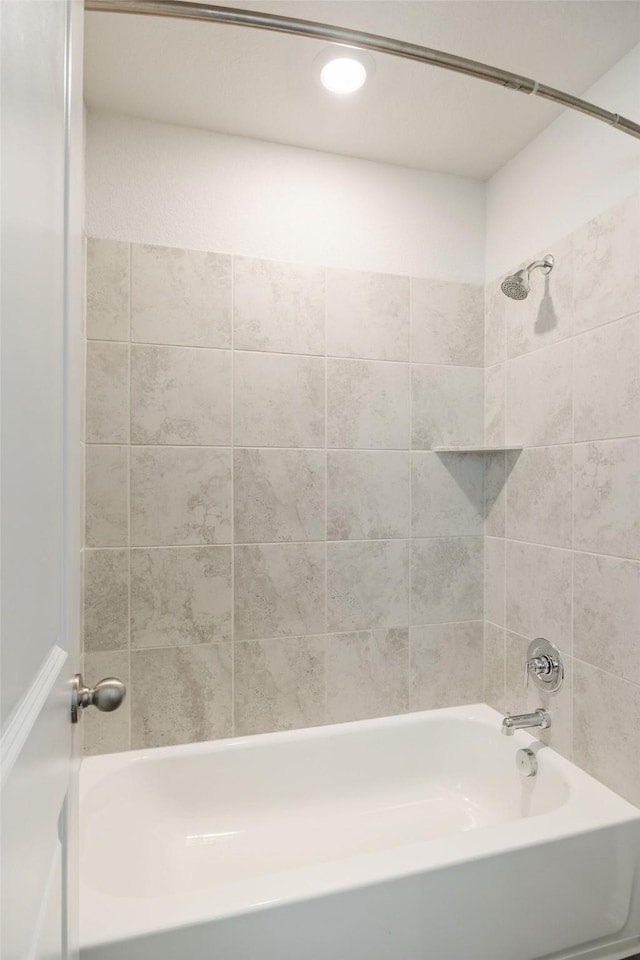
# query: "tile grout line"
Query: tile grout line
{"points": [[325, 706], [83, 491], [505, 401], [233, 501], [286, 543], [573, 499], [484, 493], [484, 489], [381, 450], [291, 353], [505, 481], [411, 537], [293, 637], [130, 645]]}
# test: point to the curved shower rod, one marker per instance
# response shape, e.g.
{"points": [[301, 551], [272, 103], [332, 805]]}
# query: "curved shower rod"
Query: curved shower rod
{"points": [[186, 10]]}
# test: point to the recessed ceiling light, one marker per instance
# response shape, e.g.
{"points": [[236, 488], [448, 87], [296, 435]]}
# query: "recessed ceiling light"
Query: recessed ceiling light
{"points": [[343, 75], [344, 69]]}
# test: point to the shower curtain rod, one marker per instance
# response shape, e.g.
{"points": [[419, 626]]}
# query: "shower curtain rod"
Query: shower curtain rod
{"points": [[369, 41]]}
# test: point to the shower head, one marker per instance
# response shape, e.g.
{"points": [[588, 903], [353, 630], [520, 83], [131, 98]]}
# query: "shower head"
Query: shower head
{"points": [[516, 286]]}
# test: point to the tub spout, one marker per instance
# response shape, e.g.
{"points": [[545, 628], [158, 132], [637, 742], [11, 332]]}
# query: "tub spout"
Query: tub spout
{"points": [[539, 718]]}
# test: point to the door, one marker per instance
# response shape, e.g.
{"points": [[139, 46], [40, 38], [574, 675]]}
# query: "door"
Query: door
{"points": [[40, 363]]}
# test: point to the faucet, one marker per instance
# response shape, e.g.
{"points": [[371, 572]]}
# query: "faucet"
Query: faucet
{"points": [[539, 718]]}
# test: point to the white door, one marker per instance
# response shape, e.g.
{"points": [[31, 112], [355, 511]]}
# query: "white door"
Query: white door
{"points": [[41, 299]]}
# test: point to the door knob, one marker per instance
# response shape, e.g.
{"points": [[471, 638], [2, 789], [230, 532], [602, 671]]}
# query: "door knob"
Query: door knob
{"points": [[107, 695]]}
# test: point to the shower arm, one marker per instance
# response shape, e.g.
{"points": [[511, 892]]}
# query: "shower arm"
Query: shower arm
{"points": [[545, 265], [368, 41]]}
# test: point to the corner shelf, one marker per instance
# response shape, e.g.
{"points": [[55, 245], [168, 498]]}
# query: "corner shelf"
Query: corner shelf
{"points": [[503, 448]]}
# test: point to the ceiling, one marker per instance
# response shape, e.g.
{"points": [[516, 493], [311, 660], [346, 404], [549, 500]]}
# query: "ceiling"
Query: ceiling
{"points": [[263, 85]]}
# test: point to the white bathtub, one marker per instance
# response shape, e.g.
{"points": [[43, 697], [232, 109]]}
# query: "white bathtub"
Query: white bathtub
{"points": [[407, 838]]}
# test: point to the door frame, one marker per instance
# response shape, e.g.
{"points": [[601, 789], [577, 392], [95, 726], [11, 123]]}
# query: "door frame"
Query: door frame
{"points": [[39, 760]]}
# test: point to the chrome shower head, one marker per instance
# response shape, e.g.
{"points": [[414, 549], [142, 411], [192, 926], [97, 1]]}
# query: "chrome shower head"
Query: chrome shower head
{"points": [[516, 286]]}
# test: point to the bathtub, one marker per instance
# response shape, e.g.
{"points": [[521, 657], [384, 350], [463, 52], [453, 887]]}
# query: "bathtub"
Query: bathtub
{"points": [[404, 838]]}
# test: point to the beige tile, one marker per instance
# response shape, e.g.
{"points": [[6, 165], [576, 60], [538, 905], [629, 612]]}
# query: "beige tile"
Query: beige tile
{"points": [[107, 393], [279, 495], [180, 595], [367, 675], [107, 732], [180, 395], [447, 406], [367, 315], [108, 284], [495, 404], [607, 381], [278, 306], [539, 592], [495, 337], [546, 316], [606, 614], [106, 600], [447, 580], [495, 494], [494, 580], [607, 497], [279, 401], [181, 695], [519, 700], [278, 684], [446, 665], [367, 495], [606, 728], [367, 585], [447, 322], [180, 495], [607, 271], [279, 590], [181, 297], [106, 496], [447, 494], [367, 405], [494, 666], [539, 405], [539, 495]]}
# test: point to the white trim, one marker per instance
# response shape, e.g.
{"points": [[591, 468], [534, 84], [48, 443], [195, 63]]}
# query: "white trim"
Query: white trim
{"points": [[53, 887], [25, 715]]}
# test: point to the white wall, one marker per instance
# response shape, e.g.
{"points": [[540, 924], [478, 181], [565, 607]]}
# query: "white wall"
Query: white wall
{"points": [[155, 183], [164, 184], [574, 170]]}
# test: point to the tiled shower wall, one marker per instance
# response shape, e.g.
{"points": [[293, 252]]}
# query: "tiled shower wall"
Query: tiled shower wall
{"points": [[270, 540], [563, 522]]}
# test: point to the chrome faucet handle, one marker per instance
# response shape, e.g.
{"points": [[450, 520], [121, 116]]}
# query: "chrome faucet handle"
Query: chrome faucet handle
{"points": [[544, 663], [539, 666]]}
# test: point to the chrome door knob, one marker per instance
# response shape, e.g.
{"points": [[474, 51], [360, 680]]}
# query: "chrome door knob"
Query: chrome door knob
{"points": [[107, 695]]}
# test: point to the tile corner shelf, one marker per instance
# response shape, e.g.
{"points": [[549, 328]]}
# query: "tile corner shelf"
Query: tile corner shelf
{"points": [[501, 448]]}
